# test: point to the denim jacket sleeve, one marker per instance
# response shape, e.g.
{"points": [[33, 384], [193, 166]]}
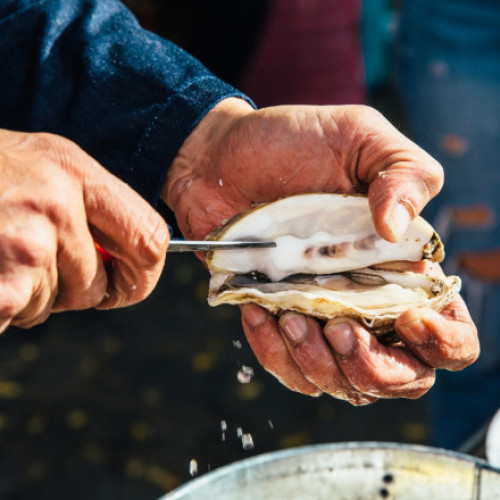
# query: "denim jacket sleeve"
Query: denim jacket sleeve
{"points": [[86, 70]]}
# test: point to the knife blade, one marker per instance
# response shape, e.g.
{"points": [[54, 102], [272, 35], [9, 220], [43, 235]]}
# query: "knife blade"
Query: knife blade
{"points": [[204, 246], [198, 246]]}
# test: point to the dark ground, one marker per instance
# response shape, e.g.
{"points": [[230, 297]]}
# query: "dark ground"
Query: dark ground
{"points": [[114, 405]]}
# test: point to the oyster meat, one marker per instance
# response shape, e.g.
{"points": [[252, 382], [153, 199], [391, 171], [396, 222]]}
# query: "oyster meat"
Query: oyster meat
{"points": [[328, 261]]}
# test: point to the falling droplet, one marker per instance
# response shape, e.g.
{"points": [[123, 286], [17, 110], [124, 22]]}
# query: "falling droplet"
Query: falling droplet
{"points": [[247, 441], [270, 422], [239, 432], [193, 467], [223, 428], [237, 344], [245, 374]]}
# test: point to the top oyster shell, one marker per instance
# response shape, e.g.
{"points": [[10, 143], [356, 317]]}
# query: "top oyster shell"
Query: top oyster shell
{"points": [[321, 265]]}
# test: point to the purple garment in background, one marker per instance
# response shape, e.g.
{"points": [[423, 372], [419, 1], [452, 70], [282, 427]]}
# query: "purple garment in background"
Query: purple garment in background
{"points": [[309, 53]]}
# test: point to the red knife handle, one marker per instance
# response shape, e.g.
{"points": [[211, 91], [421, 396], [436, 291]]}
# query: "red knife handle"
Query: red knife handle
{"points": [[106, 257]]}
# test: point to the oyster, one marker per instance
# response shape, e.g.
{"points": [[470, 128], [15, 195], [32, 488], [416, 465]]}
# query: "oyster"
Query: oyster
{"points": [[328, 261]]}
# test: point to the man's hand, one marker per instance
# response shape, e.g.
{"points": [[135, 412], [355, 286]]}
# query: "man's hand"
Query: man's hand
{"points": [[237, 157], [55, 201]]}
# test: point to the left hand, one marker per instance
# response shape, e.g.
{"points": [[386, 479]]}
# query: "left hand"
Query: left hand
{"points": [[238, 157]]}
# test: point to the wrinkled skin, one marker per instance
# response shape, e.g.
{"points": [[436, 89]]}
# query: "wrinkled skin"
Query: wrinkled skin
{"points": [[54, 202], [237, 157]]}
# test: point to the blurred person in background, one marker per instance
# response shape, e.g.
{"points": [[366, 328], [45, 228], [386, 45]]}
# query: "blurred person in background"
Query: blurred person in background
{"points": [[449, 77]]}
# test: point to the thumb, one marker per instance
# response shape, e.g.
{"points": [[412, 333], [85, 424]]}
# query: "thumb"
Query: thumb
{"points": [[401, 176], [131, 231], [400, 192]]}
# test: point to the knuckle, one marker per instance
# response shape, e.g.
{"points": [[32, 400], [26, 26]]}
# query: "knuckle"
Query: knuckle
{"points": [[57, 150], [40, 251], [455, 357], [432, 178], [31, 247], [460, 361], [15, 298], [51, 145]]}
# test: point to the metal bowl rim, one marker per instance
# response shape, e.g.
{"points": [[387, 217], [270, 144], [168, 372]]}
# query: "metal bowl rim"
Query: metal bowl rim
{"points": [[273, 456]]}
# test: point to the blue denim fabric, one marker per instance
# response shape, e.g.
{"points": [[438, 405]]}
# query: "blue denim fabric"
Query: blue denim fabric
{"points": [[86, 70], [449, 75]]}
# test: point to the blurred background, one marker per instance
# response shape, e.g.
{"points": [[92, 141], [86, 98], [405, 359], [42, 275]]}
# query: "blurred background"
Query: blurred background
{"points": [[131, 403]]}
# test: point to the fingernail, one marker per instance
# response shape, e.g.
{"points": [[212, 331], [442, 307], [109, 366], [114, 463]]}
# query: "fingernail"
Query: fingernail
{"points": [[254, 315], [341, 338], [414, 331], [400, 219], [294, 326]]}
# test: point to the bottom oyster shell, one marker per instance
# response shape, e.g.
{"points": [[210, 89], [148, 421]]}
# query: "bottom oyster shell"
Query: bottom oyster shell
{"points": [[373, 296]]}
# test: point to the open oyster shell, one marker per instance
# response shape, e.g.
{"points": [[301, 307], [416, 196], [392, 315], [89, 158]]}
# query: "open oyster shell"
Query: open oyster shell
{"points": [[322, 265]]}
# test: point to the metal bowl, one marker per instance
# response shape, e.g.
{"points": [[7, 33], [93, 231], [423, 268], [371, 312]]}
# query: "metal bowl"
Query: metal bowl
{"points": [[349, 471]]}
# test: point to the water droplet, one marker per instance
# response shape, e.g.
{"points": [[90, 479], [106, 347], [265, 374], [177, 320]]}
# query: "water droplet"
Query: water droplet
{"points": [[239, 432], [223, 428], [237, 344], [270, 422], [193, 467], [247, 441], [221, 183], [245, 374]]}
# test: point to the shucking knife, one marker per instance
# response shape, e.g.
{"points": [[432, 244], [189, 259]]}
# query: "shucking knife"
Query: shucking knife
{"points": [[201, 246]]}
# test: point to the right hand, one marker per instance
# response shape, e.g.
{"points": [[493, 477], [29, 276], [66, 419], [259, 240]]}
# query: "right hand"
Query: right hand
{"points": [[55, 201]]}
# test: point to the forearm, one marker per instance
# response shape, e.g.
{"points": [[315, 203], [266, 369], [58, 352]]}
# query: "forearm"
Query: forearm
{"points": [[86, 70]]}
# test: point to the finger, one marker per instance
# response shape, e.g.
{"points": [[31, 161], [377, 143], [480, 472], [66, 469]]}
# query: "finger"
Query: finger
{"points": [[443, 340], [128, 228], [39, 300], [402, 177], [28, 271], [375, 369], [397, 196], [262, 332], [314, 357], [15, 295], [135, 236], [82, 278]]}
